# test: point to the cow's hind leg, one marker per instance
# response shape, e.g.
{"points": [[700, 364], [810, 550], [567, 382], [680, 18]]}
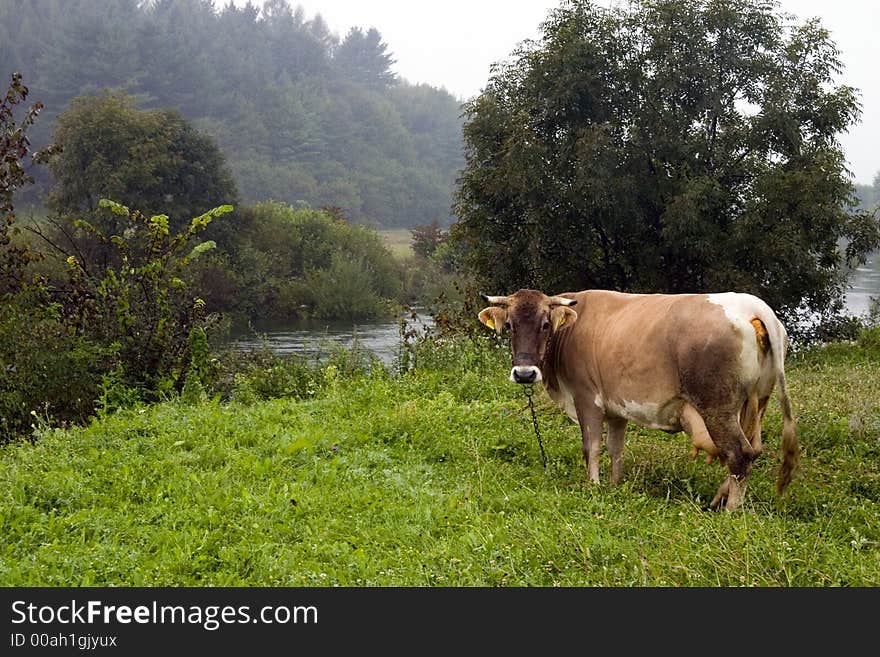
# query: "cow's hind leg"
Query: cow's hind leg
{"points": [[614, 443], [737, 454], [751, 419], [757, 444]]}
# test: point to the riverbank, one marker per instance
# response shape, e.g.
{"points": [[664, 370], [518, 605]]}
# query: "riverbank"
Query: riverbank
{"points": [[434, 478]]}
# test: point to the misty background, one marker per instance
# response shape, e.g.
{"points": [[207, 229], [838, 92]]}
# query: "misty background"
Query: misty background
{"points": [[303, 115]]}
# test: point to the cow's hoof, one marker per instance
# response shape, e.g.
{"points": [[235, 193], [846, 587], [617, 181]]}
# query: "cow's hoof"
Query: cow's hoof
{"points": [[729, 494]]}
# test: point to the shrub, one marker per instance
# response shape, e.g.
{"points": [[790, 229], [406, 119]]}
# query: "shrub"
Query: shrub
{"points": [[45, 369], [869, 339], [293, 263], [426, 239], [138, 303], [345, 290]]}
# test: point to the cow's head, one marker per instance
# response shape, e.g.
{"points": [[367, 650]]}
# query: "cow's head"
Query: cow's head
{"points": [[532, 318]]}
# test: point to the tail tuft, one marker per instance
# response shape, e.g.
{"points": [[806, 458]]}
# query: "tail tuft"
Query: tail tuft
{"points": [[790, 449]]}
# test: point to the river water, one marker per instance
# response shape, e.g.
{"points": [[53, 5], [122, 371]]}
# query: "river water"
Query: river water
{"points": [[315, 338], [865, 285]]}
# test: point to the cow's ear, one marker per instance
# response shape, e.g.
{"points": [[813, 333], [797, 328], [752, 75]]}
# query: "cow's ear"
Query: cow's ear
{"points": [[562, 316], [493, 317]]}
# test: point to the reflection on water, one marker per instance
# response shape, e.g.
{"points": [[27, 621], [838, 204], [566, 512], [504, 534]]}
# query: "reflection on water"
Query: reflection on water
{"points": [[317, 338], [865, 283]]}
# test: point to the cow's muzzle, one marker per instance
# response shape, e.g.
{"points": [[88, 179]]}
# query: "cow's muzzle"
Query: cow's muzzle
{"points": [[525, 374]]}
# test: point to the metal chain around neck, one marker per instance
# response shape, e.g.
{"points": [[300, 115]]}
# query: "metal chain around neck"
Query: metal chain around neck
{"points": [[529, 390]]}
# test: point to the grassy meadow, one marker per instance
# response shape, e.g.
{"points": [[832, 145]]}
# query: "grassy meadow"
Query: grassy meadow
{"points": [[434, 478], [398, 241]]}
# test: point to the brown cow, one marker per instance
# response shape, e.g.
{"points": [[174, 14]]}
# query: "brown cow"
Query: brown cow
{"points": [[702, 363]]}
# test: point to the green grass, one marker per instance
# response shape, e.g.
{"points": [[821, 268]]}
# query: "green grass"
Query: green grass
{"points": [[398, 241], [435, 478]]}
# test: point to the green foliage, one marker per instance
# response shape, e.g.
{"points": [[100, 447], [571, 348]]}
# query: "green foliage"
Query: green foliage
{"points": [[48, 372], [287, 379], [45, 368], [345, 290], [14, 148], [426, 239], [199, 371], [665, 146], [116, 392], [117, 321], [288, 263], [138, 303], [427, 273], [434, 478]]}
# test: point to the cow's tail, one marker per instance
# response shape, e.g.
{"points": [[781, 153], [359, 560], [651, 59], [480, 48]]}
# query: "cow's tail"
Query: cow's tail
{"points": [[790, 450]]}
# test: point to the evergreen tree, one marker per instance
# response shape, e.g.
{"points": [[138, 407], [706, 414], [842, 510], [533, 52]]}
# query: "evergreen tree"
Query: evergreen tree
{"points": [[364, 57], [176, 40]]}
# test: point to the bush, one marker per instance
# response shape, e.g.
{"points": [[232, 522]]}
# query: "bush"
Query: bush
{"points": [[426, 239], [45, 369], [139, 303], [291, 263], [869, 339], [345, 290]]}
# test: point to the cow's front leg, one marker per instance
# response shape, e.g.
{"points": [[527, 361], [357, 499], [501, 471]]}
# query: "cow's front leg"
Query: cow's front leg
{"points": [[614, 443], [590, 418]]}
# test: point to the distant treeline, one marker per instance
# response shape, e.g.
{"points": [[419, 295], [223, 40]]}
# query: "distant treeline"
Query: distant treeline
{"points": [[303, 115], [869, 195]]}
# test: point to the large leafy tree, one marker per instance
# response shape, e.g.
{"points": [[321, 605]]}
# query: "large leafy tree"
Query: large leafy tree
{"points": [[665, 145], [149, 159]]}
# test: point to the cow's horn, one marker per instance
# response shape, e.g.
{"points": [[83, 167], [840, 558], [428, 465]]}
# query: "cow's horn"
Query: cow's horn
{"points": [[501, 301], [562, 301]]}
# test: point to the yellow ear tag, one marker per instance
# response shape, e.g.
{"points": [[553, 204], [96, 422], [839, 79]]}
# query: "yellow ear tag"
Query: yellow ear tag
{"points": [[490, 323], [561, 322]]}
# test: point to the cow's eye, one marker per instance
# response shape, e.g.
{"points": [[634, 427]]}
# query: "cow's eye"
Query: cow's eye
{"points": [[507, 326], [545, 326]]}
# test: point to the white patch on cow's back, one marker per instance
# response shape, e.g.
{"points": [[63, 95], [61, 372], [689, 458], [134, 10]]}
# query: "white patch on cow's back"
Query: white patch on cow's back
{"points": [[645, 414], [736, 305], [740, 309]]}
